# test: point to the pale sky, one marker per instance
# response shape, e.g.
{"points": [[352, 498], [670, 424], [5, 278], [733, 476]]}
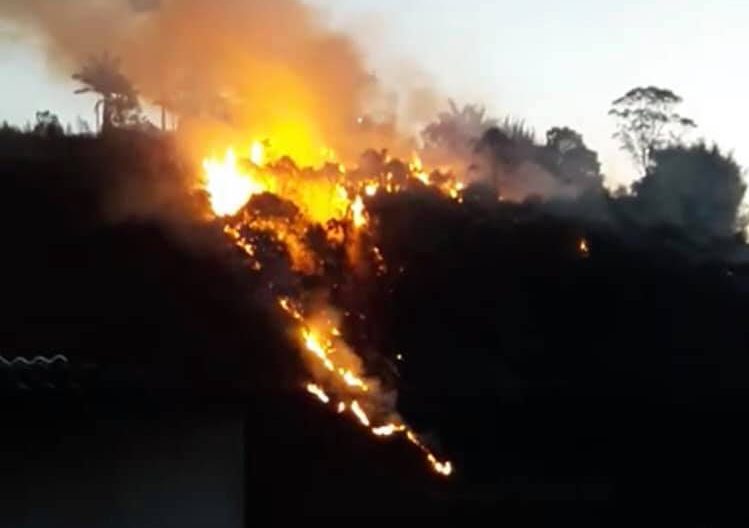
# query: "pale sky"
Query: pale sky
{"points": [[549, 62]]}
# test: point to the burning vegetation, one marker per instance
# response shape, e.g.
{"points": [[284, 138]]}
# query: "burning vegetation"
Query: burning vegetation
{"points": [[486, 277], [271, 205]]}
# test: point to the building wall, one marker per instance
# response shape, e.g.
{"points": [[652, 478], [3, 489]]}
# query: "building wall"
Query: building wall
{"points": [[162, 470]]}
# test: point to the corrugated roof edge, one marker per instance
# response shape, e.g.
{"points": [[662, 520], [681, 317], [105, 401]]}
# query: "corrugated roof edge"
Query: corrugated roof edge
{"points": [[36, 360]]}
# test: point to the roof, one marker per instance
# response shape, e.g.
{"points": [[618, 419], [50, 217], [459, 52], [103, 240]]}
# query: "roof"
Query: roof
{"points": [[35, 373]]}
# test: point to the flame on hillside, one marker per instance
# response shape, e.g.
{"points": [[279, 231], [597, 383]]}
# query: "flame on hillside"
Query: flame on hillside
{"points": [[264, 198]]}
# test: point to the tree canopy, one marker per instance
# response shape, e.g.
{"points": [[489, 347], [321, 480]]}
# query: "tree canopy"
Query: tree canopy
{"points": [[647, 120], [118, 100], [697, 188]]}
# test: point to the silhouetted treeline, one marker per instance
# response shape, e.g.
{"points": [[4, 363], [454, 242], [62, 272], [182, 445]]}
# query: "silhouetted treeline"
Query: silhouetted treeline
{"points": [[688, 192]]}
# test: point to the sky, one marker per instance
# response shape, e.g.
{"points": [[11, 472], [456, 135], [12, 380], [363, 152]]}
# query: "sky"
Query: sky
{"points": [[548, 62]]}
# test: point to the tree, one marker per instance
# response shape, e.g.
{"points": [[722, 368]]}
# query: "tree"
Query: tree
{"points": [[48, 125], [118, 100], [697, 189], [562, 140], [567, 157], [458, 129], [647, 121]]}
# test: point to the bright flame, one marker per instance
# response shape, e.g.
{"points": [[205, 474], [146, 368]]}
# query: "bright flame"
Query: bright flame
{"points": [[313, 344], [331, 198], [358, 211], [456, 190], [360, 414], [388, 430], [416, 164], [257, 153], [417, 168], [352, 380], [315, 390], [443, 468], [228, 186]]}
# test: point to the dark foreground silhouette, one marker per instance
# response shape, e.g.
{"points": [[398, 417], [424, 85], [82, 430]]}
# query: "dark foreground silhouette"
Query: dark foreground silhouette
{"points": [[614, 379]]}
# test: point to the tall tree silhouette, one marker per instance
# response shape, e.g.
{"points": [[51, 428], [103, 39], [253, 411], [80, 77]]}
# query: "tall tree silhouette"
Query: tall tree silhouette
{"points": [[648, 121], [118, 100]]}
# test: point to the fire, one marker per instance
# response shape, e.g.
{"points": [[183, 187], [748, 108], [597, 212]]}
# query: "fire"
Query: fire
{"points": [[331, 197], [443, 468], [312, 342], [417, 168], [455, 191], [584, 248], [359, 413], [352, 380], [388, 430], [322, 194], [358, 211], [320, 341], [257, 153], [228, 185], [324, 349], [315, 390]]}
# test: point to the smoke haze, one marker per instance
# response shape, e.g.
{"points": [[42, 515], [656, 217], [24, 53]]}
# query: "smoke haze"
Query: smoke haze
{"points": [[267, 69]]}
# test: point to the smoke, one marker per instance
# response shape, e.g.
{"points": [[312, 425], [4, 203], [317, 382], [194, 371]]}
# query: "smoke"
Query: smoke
{"points": [[323, 315], [239, 71], [256, 68]]}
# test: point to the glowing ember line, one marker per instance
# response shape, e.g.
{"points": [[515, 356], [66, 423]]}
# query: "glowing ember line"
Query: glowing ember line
{"points": [[388, 430], [443, 468], [352, 380], [360, 414], [318, 392], [336, 203], [289, 308], [312, 342]]}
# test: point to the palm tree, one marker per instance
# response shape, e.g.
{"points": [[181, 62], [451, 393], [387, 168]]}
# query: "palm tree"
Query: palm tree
{"points": [[458, 128], [117, 97]]}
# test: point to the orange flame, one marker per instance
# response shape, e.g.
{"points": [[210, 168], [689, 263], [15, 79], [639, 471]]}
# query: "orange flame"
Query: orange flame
{"points": [[359, 413], [358, 211], [316, 391], [328, 201], [228, 185], [388, 430]]}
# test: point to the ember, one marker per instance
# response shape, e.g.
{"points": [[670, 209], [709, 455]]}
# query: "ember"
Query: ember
{"points": [[584, 248]]}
